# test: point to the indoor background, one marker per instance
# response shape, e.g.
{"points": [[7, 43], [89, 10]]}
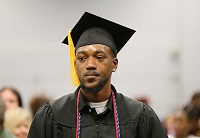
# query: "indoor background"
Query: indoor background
{"points": [[160, 62]]}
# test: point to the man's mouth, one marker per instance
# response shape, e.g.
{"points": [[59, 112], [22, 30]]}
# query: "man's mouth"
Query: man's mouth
{"points": [[91, 74]]}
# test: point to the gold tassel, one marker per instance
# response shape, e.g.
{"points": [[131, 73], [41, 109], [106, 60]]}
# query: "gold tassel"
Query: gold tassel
{"points": [[73, 75]]}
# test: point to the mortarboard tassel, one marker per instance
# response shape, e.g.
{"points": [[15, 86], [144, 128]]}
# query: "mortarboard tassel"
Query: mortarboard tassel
{"points": [[73, 75]]}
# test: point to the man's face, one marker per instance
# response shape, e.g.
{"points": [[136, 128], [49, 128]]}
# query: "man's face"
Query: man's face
{"points": [[94, 65]]}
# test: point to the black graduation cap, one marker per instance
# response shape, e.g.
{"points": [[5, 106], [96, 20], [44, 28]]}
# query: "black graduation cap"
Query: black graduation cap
{"points": [[92, 29]]}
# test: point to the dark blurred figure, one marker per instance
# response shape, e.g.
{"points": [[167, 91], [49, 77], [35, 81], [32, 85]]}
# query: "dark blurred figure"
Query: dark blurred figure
{"points": [[36, 102], [182, 125], [12, 97], [193, 112], [3, 132], [195, 100]]}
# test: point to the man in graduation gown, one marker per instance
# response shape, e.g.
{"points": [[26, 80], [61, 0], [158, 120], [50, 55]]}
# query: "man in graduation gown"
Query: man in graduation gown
{"points": [[95, 109]]}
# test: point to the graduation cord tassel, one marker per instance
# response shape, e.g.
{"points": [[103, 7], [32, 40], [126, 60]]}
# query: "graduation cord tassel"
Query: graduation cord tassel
{"points": [[73, 75], [78, 118], [116, 117]]}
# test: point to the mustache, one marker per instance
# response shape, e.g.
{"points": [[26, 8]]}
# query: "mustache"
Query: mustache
{"points": [[91, 73]]}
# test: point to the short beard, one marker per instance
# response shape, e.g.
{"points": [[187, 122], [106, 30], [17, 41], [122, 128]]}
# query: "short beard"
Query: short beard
{"points": [[95, 89]]}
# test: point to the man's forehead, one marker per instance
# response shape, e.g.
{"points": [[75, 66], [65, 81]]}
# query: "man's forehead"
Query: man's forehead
{"points": [[97, 48]]}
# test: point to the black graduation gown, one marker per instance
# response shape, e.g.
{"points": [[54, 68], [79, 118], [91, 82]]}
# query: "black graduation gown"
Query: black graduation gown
{"points": [[57, 119]]}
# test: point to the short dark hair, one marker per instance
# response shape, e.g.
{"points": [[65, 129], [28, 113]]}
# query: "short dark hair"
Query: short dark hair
{"points": [[36, 102], [193, 112], [196, 96]]}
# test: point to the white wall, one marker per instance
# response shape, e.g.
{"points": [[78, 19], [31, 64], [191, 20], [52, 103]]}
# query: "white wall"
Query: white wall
{"points": [[160, 61], [190, 64]]}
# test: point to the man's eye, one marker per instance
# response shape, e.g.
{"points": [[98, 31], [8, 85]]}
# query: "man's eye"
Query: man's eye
{"points": [[100, 57], [81, 58]]}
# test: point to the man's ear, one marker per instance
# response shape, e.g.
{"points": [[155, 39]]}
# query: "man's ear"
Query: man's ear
{"points": [[115, 64]]}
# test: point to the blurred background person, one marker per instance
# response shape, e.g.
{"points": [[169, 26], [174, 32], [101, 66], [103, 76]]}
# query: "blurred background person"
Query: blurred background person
{"points": [[195, 100], [193, 112], [168, 124], [12, 97], [3, 132], [36, 102], [18, 121], [182, 125]]}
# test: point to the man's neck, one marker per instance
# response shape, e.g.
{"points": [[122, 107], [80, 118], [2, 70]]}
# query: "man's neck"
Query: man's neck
{"points": [[100, 96]]}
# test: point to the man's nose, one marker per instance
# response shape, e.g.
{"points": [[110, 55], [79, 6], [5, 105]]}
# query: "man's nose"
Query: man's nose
{"points": [[91, 65]]}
